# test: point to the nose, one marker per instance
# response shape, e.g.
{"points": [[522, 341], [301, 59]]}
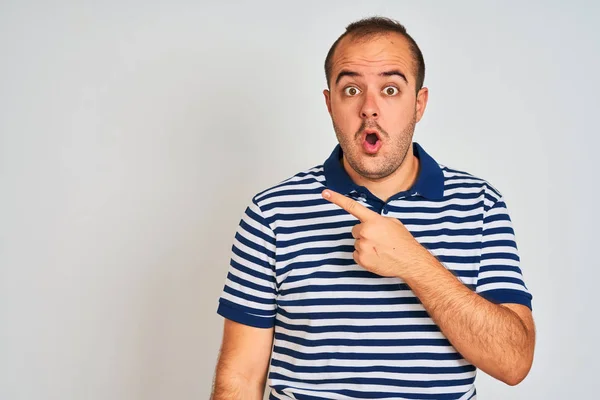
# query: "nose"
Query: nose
{"points": [[369, 107]]}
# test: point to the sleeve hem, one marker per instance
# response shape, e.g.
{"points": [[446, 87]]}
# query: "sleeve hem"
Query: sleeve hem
{"points": [[244, 317], [501, 296]]}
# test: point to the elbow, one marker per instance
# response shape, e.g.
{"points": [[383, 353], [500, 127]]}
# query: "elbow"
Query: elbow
{"points": [[514, 379], [518, 373]]}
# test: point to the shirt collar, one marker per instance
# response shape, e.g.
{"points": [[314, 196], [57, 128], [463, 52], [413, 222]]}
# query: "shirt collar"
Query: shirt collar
{"points": [[429, 183]]}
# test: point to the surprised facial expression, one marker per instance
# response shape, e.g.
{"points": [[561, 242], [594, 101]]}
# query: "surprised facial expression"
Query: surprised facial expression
{"points": [[372, 102]]}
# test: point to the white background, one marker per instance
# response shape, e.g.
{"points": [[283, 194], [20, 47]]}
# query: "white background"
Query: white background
{"points": [[134, 133]]}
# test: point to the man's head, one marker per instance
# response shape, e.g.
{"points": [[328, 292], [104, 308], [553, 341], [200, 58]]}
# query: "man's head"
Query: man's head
{"points": [[371, 27], [375, 73]]}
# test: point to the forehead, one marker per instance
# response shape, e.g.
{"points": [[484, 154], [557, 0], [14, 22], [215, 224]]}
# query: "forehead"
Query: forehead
{"points": [[373, 54]]}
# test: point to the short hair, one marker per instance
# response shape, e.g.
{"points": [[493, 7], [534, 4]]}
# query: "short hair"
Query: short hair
{"points": [[372, 26]]}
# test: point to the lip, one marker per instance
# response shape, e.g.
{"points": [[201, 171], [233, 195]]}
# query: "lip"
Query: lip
{"points": [[371, 148]]}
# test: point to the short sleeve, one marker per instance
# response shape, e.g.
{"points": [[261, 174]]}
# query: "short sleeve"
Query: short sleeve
{"points": [[250, 292], [500, 279]]}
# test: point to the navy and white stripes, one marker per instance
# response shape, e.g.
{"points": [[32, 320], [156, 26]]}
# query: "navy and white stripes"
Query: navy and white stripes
{"points": [[342, 332]]}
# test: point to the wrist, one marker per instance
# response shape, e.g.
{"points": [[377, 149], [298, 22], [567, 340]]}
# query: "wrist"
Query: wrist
{"points": [[418, 265]]}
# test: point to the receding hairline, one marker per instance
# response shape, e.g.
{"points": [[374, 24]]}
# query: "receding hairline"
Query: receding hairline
{"points": [[366, 29], [361, 37]]}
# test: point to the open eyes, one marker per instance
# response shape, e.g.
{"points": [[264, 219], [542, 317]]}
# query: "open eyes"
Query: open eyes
{"points": [[391, 90], [352, 91]]}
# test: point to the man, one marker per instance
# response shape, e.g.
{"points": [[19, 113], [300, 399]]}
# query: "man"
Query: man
{"points": [[381, 273]]}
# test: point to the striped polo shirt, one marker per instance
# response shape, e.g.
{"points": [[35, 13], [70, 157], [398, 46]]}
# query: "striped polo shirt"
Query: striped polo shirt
{"points": [[342, 332]]}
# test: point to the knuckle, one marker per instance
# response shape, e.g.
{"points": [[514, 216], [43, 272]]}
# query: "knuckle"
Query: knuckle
{"points": [[367, 231], [363, 245], [350, 206]]}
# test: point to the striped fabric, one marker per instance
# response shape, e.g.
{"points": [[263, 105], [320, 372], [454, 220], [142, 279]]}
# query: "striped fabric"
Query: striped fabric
{"points": [[342, 332]]}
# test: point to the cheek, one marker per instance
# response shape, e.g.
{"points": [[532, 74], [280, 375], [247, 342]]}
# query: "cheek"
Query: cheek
{"points": [[345, 112], [398, 113]]}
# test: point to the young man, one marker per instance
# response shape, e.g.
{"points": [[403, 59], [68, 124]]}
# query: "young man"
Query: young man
{"points": [[381, 273]]}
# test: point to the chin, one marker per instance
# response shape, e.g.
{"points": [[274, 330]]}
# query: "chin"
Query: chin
{"points": [[372, 170]]}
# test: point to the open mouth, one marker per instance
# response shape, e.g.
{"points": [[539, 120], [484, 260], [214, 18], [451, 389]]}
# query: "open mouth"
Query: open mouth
{"points": [[372, 138], [371, 142]]}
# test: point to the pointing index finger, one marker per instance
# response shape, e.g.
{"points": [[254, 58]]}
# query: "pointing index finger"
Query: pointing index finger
{"points": [[353, 207]]}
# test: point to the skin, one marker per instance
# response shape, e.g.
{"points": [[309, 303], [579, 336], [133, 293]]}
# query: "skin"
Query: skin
{"points": [[368, 99], [243, 363], [376, 90]]}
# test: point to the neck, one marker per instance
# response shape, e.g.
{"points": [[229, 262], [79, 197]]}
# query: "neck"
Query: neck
{"points": [[400, 180]]}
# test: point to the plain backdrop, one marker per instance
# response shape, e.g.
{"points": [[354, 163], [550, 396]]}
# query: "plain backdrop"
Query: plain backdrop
{"points": [[134, 133]]}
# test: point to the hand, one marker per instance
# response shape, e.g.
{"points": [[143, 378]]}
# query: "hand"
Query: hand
{"points": [[383, 245]]}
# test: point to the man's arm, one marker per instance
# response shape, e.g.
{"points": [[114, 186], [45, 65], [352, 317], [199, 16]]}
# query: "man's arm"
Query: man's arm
{"points": [[498, 339], [243, 363]]}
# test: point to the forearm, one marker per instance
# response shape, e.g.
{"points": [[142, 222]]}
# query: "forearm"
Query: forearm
{"points": [[490, 336]]}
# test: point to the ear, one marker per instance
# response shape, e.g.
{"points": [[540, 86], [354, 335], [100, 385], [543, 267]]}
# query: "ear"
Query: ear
{"points": [[422, 98], [327, 95]]}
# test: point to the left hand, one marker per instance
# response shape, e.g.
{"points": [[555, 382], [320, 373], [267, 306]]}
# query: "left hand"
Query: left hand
{"points": [[383, 245]]}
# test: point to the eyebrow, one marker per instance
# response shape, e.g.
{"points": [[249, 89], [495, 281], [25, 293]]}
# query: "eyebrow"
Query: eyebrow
{"points": [[393, 72]]}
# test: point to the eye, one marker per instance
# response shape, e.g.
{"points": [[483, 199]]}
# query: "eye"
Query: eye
{"points": [[351, 91], [391, 90]]}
